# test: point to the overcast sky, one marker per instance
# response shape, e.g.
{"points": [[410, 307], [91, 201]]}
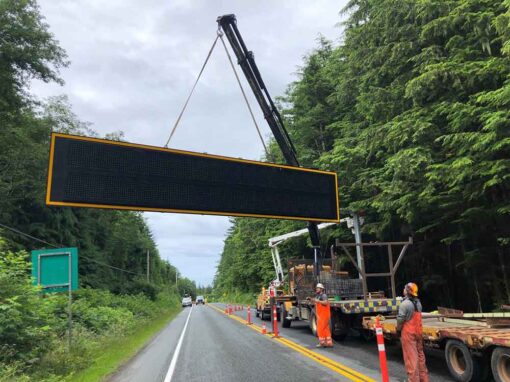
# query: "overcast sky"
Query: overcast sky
{"points": [[133, 63]]}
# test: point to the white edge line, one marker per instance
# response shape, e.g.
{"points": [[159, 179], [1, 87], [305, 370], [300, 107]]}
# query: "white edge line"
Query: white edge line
{"points": [[171, 368]]}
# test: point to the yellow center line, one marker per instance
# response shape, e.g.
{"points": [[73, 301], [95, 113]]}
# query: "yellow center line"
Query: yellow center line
{"points": [[337, 367]]}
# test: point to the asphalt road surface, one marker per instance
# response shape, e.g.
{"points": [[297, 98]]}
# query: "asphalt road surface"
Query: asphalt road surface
{"points": [[204, 344]]}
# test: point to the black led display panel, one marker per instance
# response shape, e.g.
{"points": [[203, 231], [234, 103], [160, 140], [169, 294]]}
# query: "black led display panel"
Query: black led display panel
{"points": [[90, 172]]}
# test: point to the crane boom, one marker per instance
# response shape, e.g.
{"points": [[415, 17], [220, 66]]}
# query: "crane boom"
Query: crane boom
{"points": [[246, 60], [277, 240]]}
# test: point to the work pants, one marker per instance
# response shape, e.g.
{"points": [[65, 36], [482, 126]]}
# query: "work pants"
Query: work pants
{"points": [[414, 358]]}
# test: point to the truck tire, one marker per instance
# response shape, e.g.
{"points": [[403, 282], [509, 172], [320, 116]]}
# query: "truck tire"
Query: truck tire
{"points": [[283, 314], [313, 323], [500, 364], [462, 365], [340, 325], [263, 315], [367, 335], [257, 313]]}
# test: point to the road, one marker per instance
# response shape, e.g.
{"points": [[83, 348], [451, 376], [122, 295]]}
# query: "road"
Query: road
{"points": [[204, 344]]}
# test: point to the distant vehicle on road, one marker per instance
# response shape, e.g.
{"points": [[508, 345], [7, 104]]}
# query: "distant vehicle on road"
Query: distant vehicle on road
{"points": [[186, 301], [200, 300]]}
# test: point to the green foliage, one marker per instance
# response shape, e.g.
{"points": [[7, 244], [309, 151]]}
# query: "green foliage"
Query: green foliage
{"points": [[411, 110], [27, 50], [187, 286], [26, 320], [33, 325]]}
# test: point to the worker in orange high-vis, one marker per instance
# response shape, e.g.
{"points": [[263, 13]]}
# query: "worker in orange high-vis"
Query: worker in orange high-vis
{"points": [[323, 314], [409, 326]]}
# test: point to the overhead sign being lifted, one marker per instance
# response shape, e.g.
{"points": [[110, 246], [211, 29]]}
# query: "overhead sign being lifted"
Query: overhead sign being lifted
{"points": [[98, 173]]}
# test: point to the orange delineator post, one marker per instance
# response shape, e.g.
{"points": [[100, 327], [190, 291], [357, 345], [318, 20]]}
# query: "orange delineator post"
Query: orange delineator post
{"points": [[249, 316], [382, 350], [275, 321], [230, 309]]}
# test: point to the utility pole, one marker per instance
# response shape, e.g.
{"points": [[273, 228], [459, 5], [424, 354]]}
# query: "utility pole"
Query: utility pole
{"points": [[354, 224], [148, 264], [357, 238]]}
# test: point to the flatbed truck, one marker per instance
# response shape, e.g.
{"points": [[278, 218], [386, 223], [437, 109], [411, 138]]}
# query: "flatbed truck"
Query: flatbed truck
{"points": [[476, 346]]}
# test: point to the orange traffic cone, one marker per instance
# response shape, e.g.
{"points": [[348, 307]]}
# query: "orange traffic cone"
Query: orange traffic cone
{"points": [[264, 330]]}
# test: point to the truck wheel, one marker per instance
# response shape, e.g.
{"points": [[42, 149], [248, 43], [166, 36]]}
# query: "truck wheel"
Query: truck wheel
{"points": [[283, 314], [262, 315], [367, 335], [340, 325], [462, 366], [257, 314], [313, 323], [339, 331], [500, 364]]}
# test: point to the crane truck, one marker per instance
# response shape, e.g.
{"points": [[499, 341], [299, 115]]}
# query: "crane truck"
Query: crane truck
{"points": [[263, 304]]}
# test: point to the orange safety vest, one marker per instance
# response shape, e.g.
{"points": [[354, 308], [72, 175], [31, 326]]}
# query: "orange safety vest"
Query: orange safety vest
{"points": [[414, 325]]}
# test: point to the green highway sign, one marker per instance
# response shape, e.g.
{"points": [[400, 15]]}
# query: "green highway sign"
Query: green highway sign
{"points": [[55, 270]]}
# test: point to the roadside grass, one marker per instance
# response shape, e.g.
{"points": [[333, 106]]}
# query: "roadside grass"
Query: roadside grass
{"points": [[238, 298], [116, 351]]}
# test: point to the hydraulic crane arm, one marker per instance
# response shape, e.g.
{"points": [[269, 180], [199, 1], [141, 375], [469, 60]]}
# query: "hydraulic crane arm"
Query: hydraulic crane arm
{"points": [[246, 60], [277, 240]]}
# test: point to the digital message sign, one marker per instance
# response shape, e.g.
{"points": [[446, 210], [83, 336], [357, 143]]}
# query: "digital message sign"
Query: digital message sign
{"points": [[98, 173]]}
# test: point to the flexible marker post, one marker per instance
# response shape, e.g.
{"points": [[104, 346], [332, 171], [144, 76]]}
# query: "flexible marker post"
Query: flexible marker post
{"points": [[275, 322], [382, 350], [249, 316]]}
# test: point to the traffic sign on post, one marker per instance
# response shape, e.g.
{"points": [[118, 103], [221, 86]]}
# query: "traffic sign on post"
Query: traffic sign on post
{"points": [[55, 270]]}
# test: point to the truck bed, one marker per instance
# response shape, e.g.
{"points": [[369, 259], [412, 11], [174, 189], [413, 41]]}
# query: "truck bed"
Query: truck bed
{"points": [[475, 334]]}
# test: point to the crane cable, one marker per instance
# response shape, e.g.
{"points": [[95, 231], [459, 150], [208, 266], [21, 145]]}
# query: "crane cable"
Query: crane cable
{"points": [[192, 90], [219, 35]]}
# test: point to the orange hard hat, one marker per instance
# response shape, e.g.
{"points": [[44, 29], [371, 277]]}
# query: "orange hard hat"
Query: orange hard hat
{"points": [[412, 289]]}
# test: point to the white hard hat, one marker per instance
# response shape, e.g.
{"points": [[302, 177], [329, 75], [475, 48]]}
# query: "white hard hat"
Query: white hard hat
{"points": [[319, 285]]}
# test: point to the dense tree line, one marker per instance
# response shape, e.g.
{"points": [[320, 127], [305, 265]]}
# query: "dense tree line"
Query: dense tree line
{"points": [[411, 110], [106, 239]]}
